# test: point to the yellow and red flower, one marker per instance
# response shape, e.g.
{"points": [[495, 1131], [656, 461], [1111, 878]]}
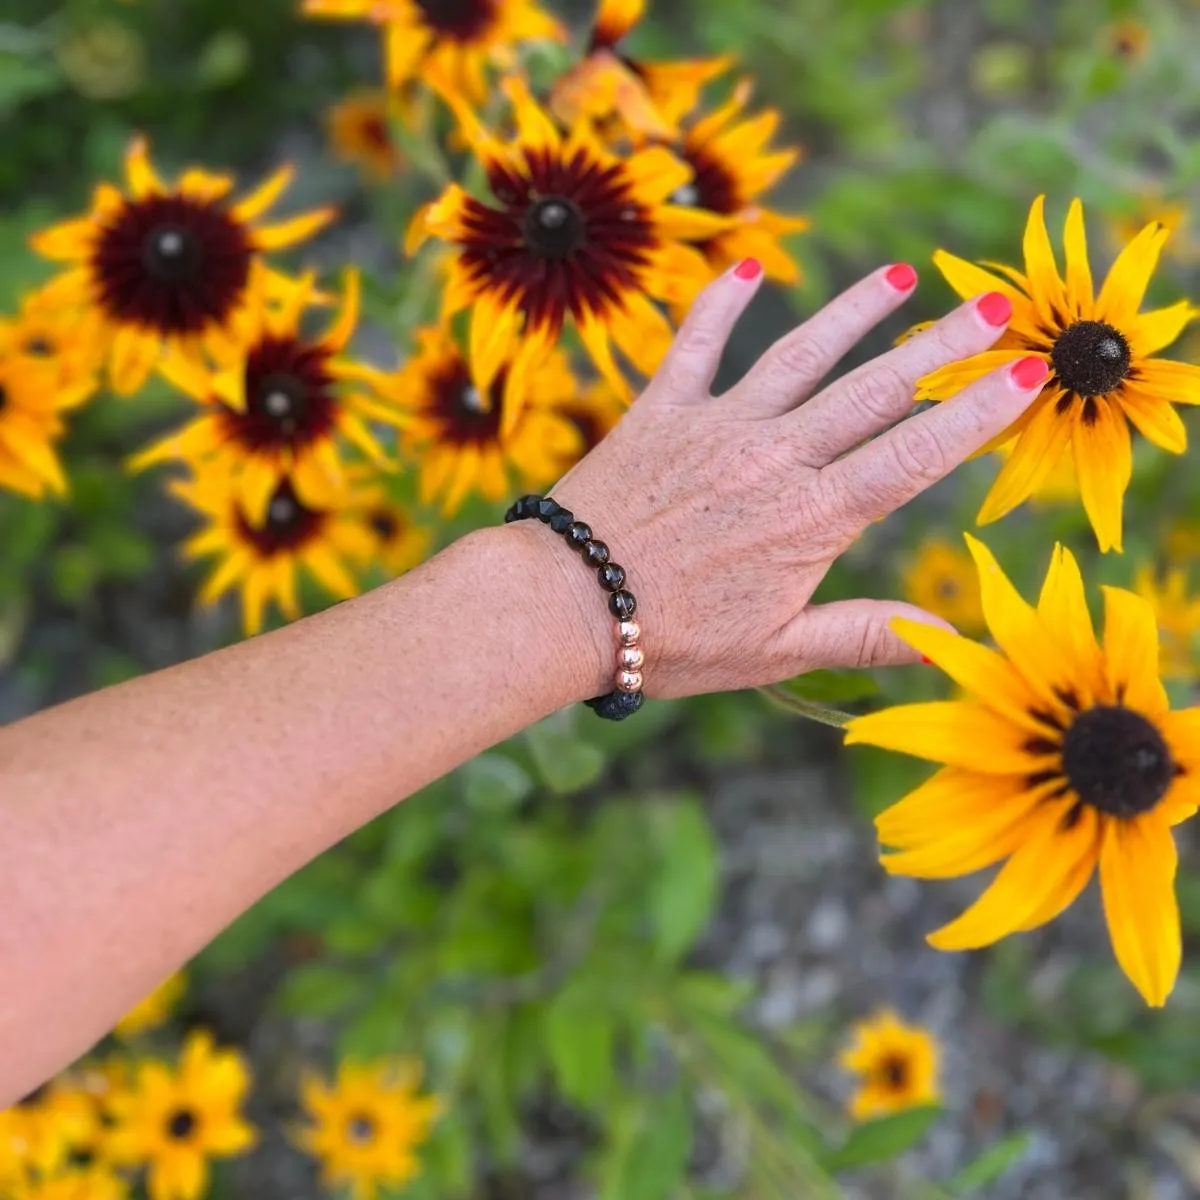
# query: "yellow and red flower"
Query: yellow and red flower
{"points": [[360, 132], [165, 265], [572, 233]]}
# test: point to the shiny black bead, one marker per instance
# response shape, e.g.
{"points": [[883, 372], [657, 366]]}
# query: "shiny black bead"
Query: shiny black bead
{"points": [[616, 706], [526, 507], [622, 605], [595, 554], [612, 577], [562, 520], [578, 534], [546, 508]]}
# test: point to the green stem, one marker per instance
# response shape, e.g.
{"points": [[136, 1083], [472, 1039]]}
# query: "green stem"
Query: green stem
{"points": [[806, 708]]}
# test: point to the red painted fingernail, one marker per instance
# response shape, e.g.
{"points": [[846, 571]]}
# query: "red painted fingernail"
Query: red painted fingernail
{"points": [[902, 277], [927, 660], [1030, 372], [748, 268], [995, 308]]}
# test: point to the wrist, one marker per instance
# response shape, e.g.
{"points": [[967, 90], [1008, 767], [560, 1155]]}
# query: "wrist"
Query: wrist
{"points": [[559, 607]]}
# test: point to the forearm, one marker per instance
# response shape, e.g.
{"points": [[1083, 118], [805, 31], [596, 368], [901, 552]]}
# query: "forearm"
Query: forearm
{"points": [[136, 823]]}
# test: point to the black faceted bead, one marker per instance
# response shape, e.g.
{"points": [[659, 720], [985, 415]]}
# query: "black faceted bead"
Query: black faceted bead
{"points": [[546, 508], [622, 605], [595, 554], [562, 520], [526, 507], [579, 534], [612, 577], [616, 706]]}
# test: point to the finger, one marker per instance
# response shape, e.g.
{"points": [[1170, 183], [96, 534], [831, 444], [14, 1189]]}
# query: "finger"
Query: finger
{"points": [[691, 364], [880, 392], [857, 633], [795, 364], [884, 474]]}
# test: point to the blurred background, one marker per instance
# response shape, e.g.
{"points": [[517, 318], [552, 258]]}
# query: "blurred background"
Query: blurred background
{"points": [[628, 957]]}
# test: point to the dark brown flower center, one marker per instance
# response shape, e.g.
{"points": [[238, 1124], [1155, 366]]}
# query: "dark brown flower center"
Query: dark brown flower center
{"points": [[289, 525], [1091, 358], [290, 401], [466, 417], [360, 1129], [893, 1072], [38, 346], [385, 525], [463, 20], [376, 132], [1116, 761], [554, 227], [181, 1124], [171, 264], [947, 588], [712, 185]]}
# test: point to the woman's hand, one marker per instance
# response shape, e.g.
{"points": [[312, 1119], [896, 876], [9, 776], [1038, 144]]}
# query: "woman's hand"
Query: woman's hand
{"points": [[728, 511]]}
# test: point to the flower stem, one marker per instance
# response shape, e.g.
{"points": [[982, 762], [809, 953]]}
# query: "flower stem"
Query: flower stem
{"points": [[820, 713]]}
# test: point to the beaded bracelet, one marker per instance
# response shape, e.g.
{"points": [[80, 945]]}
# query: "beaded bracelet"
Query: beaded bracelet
{"points": [[627, 698]]}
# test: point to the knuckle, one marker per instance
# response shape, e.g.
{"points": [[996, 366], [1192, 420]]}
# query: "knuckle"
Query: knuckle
{"points": [[874, 648], [799, 355], [881, 394], [918, 453]]}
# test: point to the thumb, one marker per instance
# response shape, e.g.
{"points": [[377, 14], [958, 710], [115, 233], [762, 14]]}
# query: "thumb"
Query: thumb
{"points": [[856, 633]]}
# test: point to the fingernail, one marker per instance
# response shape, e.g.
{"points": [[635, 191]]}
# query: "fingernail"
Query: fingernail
{"points": [[995, 308], [748, 268], [926, 660], [1029, 373], [902, 277]]}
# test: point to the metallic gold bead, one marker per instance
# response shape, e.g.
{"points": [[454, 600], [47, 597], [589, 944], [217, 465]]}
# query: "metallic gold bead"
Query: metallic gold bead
{"points": [[629, 681], [631, 658], [629, 632]]}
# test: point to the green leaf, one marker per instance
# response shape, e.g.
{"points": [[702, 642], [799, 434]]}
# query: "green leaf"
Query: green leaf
{"points": [[563, 761], [684, 892], [831, 687], [580, 1037], [990, 1165], [23, 79], [494, 783], [319, 990], [882, 1139], [649, 1151]]}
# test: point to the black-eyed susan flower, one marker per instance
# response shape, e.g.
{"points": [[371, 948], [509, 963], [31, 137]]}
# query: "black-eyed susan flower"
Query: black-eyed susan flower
{"points": [[645, 99], [277, 402], [32, 404], [166, 264], [360, 132], [941, 579], [1099, 348], [154, 1010], [399, 542], [594, 412], [367, 1125], [572, 233], [454, 41], [177, 1118], [41, 1130], [733, 167], [45, 336], [1064, 757], [1177, 614], [898, 1064], [1173, 215], [76, 1183], [1128, 39], [262, 560], [455, 433]]}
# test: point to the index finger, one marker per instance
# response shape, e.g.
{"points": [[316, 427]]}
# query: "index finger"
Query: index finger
{"points": [[878, 478]]}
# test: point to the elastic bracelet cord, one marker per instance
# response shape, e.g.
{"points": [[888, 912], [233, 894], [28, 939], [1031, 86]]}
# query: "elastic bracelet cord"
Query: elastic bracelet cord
{"points": [[627, 697]]}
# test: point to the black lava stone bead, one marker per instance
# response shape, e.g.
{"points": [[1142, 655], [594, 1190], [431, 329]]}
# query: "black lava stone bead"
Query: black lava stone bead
{"points": [[616, 706]]}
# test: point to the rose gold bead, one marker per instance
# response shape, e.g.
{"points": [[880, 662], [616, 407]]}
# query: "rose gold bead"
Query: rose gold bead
{"points": [[629, 681], [631, 658], [629, 632]]}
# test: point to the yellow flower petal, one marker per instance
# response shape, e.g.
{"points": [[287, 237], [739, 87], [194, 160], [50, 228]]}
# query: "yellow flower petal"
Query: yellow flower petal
{"points": [[1104, 466], [1137, 879], [1125, 288], [1079, 270], [1045, 286], [1131, 652], [1038, 450], [1154, 419], [1151, 332]]}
